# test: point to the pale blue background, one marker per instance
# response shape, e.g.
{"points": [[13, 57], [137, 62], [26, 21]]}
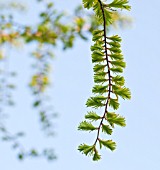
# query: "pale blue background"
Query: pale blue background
{"points": [[138, 143]]}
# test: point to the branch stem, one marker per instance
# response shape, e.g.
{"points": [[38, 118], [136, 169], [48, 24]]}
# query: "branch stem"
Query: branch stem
{"points": [[109, 73]]}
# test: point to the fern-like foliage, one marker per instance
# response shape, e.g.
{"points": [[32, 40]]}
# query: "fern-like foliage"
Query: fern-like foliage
{"points": [[109, 83]]}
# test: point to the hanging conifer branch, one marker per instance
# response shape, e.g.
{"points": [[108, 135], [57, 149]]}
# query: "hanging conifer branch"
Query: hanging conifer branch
{"points": [[109, 64]]}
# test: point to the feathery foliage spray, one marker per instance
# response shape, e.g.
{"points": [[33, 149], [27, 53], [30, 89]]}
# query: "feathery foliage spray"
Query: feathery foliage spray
{"points": [[109, 83]]}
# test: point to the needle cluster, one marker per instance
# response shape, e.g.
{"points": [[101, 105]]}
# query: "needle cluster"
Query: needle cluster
{"points": [[109, 85]]}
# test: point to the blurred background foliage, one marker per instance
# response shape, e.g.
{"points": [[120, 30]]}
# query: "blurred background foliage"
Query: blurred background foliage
{"points": [[53, 29]]}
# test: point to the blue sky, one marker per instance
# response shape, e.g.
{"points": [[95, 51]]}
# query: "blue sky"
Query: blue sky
{"points": [[138, 143]]}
